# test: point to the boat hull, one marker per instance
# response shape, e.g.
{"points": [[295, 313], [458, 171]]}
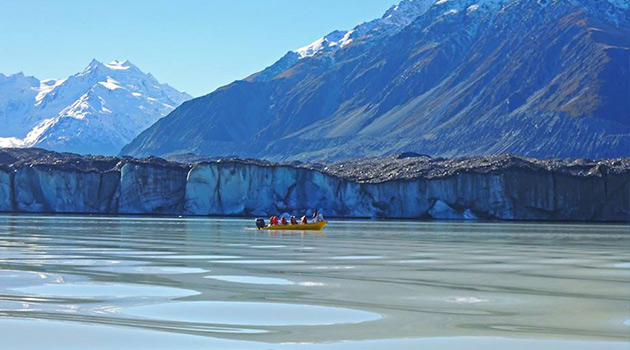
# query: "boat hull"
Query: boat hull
{"points": [[313, 226]]}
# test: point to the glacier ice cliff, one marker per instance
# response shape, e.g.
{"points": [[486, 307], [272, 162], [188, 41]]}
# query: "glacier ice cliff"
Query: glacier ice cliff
{"points": [[152, 187], [502, 187]]}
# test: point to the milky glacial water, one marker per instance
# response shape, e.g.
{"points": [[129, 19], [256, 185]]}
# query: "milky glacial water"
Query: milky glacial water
{"points": [[72, 282]]}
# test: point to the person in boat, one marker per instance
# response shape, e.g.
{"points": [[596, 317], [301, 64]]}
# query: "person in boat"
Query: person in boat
{"points": [[283, 220], [303, 221], [320, 217], [314, 217], [273, 221], [293, 220]]}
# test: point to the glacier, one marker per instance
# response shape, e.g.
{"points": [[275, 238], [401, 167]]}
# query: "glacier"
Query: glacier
{"points": [[503, 187], [152, 188], [46, 189]]}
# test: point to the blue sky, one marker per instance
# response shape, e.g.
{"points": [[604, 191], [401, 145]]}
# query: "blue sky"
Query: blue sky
{"points": [[194, 45]]}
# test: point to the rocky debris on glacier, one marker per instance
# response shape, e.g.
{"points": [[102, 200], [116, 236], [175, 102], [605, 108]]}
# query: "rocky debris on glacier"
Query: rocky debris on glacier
{"points": [[405, 185], [409, 166], [412, 166], [17, 158]]}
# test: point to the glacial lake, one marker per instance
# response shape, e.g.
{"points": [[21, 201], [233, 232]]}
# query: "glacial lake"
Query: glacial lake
{"points": [[82, 282]]}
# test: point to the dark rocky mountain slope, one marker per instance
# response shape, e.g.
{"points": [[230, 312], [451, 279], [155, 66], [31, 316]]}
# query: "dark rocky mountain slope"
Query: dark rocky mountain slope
{"points": [[533, 78]]}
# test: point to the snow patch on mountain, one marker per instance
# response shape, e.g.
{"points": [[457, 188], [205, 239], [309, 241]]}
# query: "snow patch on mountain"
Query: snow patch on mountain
{"points": [[118, 65], [336, 39], [46, 86], [472, 8], [111, 84], [97, 111], [11, 142]]}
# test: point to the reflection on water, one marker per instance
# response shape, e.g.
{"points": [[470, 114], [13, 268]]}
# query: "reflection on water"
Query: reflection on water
{"points": [[176, 270], [251, 280], [248, 313], [157, 283], [98, 289], [258, 262]]}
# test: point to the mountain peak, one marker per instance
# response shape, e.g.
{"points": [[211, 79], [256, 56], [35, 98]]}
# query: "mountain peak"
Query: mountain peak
{"points": [[18, 79], [116, 65], [95, 111], [14, 75], [93, 63], [394, 19], [92, 66], [407, 10]]}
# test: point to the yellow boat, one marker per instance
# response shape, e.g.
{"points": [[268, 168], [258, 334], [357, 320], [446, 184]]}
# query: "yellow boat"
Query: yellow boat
{"points": [[312, 226]]}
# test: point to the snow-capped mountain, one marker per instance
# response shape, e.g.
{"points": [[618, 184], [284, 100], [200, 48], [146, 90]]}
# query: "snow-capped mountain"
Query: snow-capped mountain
{"points": [[403, 14], [541, 78], [96, 111], [394, 20]]}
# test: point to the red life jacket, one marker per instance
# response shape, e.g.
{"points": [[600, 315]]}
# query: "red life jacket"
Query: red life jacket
{"points": [[283, 220]]}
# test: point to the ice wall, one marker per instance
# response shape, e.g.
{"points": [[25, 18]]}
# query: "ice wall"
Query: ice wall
{"points": [[47, 189], [5, 190], [251, 188], [248, 189], [152, 189]]}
